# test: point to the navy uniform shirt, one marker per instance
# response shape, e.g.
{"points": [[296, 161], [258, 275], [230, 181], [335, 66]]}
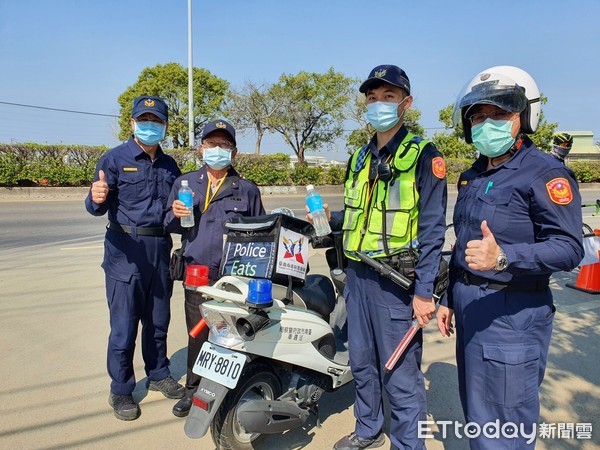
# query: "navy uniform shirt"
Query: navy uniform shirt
{"points": [[137, 197], [433, 198], [236, 197], [533, 208], [138, 187]]}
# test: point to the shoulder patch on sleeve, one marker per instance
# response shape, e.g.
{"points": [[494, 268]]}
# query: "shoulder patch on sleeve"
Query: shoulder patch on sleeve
{"points": [[438, 166], [559, 191]]}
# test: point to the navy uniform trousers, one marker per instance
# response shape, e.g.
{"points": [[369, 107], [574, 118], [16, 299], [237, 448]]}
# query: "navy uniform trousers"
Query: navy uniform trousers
{"points": [[379, 315], [502, 340], [143, 297]]}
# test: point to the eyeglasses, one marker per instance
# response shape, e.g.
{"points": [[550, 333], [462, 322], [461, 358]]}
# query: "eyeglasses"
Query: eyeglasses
{"points": [[497, 114], [225, 145]]}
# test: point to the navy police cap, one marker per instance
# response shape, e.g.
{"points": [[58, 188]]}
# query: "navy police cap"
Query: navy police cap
{"points": [[216, 125], [388, 73], [149, 104]]}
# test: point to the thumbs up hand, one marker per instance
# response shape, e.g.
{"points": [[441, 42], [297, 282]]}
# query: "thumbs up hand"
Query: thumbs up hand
{"points": [[100, 189], [482, 254]]}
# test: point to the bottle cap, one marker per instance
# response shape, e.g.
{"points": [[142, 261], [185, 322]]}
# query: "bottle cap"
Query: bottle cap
{"points": [[310, 187], [184, 182]]}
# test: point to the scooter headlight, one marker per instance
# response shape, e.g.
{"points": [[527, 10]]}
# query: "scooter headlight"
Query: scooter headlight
{"points": [[223, 331]]}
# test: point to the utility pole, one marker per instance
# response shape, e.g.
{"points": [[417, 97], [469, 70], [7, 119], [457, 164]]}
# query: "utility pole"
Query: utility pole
{"points": [[190, 78]]}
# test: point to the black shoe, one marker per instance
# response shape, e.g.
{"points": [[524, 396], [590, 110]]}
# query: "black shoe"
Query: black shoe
{"points": [[168, 386], [124, 406], [182, 407], [354, 442]]}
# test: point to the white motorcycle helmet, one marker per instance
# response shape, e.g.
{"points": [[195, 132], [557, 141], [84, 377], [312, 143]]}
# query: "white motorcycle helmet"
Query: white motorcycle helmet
{"points": [[507, 87]]}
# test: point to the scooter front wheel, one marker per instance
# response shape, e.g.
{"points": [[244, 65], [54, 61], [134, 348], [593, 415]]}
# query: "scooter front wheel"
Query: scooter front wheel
{"points": [[257, 383]]}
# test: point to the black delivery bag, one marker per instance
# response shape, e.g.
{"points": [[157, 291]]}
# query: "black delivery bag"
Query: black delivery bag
{"points": [[272, 246]]}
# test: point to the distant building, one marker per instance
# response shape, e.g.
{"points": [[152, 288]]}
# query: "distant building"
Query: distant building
{"points": [[583, 148], [316, 161]]}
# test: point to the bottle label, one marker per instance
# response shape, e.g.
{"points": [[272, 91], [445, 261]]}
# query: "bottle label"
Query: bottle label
{"points": [[314, 203], [186, 198]]}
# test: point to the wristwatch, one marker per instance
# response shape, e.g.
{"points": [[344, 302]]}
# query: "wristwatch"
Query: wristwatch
{"points": [[501, 261]]}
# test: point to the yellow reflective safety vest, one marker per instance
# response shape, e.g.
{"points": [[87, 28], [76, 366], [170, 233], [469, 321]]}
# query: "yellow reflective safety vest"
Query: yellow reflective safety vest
{"points": [[386, 210]]}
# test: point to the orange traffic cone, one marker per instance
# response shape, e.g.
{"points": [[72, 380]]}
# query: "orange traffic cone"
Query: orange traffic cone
{"points": [[588, 279]]}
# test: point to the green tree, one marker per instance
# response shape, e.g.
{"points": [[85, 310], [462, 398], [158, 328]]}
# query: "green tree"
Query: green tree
{"points": [[310, 109], [452, 143], [542, 138], [357, 112], [361, 136], [170, 82], [252, 107]]}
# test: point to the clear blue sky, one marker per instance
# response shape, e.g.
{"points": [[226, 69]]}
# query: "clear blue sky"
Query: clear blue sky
{"points": [[82, 54]]}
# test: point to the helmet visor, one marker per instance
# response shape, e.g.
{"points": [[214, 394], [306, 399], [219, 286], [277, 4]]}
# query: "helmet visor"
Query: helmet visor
{"points": [[508, 98]]}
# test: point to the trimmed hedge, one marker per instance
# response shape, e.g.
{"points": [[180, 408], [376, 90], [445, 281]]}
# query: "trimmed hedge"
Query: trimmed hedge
{"points": [[33, 164]]}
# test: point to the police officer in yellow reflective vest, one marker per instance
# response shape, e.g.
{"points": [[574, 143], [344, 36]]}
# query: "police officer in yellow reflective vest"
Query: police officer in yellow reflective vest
{"points": [[394, 209]]}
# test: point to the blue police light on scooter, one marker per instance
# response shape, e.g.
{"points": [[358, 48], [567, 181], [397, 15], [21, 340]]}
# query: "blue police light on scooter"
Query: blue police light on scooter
{"points": [[260, 296]]}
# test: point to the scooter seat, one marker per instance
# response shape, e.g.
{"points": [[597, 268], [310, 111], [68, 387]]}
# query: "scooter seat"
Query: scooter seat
{"points": [[318, 294]]}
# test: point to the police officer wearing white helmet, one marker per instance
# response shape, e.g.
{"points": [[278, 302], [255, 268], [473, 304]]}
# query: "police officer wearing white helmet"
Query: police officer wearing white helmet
{"points": [[517, 220]]}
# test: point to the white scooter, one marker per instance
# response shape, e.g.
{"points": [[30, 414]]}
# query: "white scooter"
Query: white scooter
{"points": [[265, 366]]}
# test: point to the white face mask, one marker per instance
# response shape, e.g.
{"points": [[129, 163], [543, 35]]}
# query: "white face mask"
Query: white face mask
{"points": [[217, 158], [384, 115]]}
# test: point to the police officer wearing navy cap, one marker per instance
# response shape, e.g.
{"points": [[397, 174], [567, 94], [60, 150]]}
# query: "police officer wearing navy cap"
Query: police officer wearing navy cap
{"points": [[395, 205], [517, 220], [132, 184], [219, 194]]}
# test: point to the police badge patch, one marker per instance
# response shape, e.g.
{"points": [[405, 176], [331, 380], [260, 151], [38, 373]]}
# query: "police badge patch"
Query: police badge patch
{"points": [[438, 166], [559, 191]]}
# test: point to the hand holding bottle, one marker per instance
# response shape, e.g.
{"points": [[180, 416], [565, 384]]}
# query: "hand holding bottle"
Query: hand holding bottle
{"points": [[309, 216], [183, 207], [320, 217]]}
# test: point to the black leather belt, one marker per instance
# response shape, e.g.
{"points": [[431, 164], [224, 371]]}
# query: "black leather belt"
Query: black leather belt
{"points": [[139, 231], [470, 279]]}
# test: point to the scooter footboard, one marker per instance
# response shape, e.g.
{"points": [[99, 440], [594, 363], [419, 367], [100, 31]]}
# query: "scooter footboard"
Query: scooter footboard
{"points": [[205, 405]]}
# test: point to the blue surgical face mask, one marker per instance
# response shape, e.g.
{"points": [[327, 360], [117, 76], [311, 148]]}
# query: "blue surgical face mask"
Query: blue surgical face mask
{"points": [[493, 137], [383, 115], [149, 133], [217, 158]]}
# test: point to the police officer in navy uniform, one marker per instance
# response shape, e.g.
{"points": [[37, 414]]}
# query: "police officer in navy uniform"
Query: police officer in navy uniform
{"points": [[517, 220], [132, 183], [395, 205], [219, 194]]}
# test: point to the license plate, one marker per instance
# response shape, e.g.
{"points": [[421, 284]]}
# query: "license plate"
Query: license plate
{"points": [[219, 364]]}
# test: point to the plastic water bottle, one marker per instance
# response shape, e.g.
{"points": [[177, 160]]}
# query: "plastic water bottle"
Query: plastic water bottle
{"points": [[185, 196], [315, 205]]}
